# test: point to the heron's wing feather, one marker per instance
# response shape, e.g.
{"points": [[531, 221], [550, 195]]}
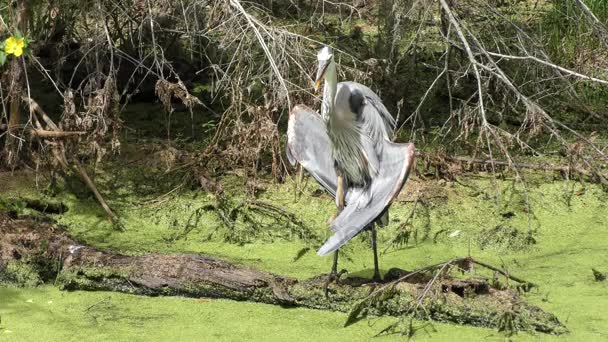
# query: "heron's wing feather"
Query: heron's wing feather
{"points": [[376, 115], [308, 144], [372, 116], [396, 162], [370, 149], [290, 157]]}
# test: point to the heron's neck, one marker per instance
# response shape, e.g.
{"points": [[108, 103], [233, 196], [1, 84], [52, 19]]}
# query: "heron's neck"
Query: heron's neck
{"points": [[329, 91]]}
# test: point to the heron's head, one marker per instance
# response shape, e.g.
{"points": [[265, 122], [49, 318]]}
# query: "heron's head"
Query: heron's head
{"points": [[325, 58]]}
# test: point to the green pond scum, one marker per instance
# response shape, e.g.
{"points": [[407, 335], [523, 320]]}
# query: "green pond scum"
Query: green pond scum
{"points": [[551, 233]]}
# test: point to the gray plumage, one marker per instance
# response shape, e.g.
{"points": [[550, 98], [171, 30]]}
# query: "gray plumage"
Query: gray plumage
{"points": [[309, 144], [356, 122], [350, 139], [372, 116]]}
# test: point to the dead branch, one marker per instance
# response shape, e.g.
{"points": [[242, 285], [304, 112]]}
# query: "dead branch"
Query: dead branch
{"points": [[484, 66], [85, 176], [42, 133], [549, 64], [253, 24], [598, 27], [504, 273], [470, 56], [60, 155], [432, 281]]}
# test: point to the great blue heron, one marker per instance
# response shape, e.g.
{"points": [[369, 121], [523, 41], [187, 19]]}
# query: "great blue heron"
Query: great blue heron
{"points": [[347, 149]]}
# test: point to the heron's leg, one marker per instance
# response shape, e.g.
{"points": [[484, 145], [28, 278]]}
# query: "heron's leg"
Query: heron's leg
{"points": [[340, 193], [377, 276], [334, 275], [334, 267], [340, 200], [339, 197]]}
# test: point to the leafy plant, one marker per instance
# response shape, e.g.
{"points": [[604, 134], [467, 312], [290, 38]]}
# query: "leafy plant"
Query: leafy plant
{"points": [[13, 206]]}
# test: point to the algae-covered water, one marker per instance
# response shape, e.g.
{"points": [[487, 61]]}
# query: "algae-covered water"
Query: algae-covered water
{"points": [[553, 236]]}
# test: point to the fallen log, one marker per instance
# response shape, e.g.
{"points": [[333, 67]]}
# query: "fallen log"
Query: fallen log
{"points": [[39, 247]]}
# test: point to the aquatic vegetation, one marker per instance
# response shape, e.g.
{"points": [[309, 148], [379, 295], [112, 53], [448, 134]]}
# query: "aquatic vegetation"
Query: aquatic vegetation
{"points": [[455, 219]]}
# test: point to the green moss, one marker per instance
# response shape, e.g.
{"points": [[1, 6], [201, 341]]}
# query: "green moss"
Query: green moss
{"points": [[20, 274], [93, 278], [101, 316], [566, 221]]}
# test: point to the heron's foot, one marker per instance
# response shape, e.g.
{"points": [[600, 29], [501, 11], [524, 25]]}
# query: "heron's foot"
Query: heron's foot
{"points": [[377, 278], [332, 277], [331, 218]]}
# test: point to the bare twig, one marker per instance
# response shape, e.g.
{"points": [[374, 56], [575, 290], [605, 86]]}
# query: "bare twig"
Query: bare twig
{"points": [[60, 155], [504, 273], [598, 26], [42, 133], [85, 176], [237, 5], [549, 64]]}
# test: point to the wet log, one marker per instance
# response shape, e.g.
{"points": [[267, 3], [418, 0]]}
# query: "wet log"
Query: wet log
{"points": [[38, 248]]}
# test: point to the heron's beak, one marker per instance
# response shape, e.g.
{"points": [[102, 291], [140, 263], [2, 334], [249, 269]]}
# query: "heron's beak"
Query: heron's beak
{"points": [[318, 85], [321, 74]]}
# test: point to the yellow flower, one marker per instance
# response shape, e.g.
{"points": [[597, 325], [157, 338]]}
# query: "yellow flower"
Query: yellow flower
{"points": [[14, 46]]}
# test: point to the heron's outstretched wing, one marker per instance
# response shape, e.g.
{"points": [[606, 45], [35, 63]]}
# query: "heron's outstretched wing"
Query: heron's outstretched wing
{"points": [[309, 145], [396, 162]]}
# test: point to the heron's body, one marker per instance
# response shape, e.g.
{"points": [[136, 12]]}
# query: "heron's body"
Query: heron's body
{"points": [[356, 121], [352, 156]]}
